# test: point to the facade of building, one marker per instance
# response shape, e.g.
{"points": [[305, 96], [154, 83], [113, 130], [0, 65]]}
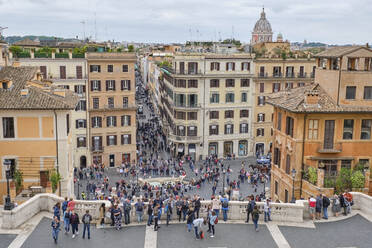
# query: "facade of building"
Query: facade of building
{"points": [[206, 102], [3, 57], [262, 31], [112, 108], [325, 126], [71, 74], [35, 133], [275, 75]]}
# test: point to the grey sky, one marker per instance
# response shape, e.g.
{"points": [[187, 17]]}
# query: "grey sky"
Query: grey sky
{"points": [[330, 21]]}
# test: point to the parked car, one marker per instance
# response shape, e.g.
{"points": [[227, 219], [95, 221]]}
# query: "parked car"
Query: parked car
{"points": [[264, 160]]}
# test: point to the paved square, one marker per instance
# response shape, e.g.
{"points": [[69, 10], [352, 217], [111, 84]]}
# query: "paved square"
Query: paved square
{"points": [[6, 239], [227, 235], [352, 232], [101, 238]]}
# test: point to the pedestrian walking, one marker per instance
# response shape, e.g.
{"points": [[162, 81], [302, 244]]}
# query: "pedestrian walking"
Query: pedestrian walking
{"points": [[225, 207], [66, 220], [267, 210], [312, 205], [64, 205], [336, 206], [87, 218], [55, 228], [102, 214], [326, 203], [117, 217], [255, 217], [150, 213], [156, 216], [197, 223], [74, 220], [216, 205], [57, 211], [126, 209], [190, 218], [318, 206], [139, 206], [213, 220], [250, 207]]}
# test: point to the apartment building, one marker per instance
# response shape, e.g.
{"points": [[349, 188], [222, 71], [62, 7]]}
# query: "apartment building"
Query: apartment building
{"points": [[325, 126], [112, 108], [275, 75], [35, 129], [71, 74], [206, 102], [3, 57]]}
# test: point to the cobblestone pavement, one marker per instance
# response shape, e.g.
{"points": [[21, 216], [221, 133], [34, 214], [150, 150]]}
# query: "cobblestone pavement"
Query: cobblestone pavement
{"points": [[351, 232]]}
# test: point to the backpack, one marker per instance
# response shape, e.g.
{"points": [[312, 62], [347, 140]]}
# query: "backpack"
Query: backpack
{"points": [[225, 204], [201, 235], [127, 207], [139, 207], [255, 216], [250, 206], [326, 201], [216, 221], [86, 219]]}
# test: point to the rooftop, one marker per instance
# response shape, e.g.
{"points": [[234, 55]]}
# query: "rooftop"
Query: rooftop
{"points": [[294, 101], [27, 92], [336, 52], [27, 42], [111, 56]]}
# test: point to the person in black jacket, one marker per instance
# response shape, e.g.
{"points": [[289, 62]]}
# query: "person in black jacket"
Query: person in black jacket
{"points": [[197, 205], [326, 203], [87, 218], [74, 220]]}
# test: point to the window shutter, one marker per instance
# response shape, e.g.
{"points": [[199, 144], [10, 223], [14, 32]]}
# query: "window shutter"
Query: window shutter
{"points": [[129, 139], [99, 85], [91, 85], [129, 120], [91, 68], [242, 66], [107, 84], [108, 121], [249, 66], [263, 117], [227, 66], [122, 139], [233, 64], [218, 98], [218, 66], [114, 121], [85, 123], [114, 84], [100, 121], [122, 84], [75, 88], [107, 140], [76, 123], [115, 140], [122, 120], [212, 66], [84, 88], [99, 68], [128, 84]]}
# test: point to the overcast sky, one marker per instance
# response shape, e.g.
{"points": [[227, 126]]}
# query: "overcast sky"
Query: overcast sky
{"points": [[329, 21]]}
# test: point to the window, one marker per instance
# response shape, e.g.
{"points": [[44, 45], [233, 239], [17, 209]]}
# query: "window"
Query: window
{"points": [[229, 97], [244, 82], [192, 83], [81, 123], [110, 102], [81, 142], [313, 129], [261, 100], [215, 83], [368, 92], [62, 72], [66, 87], [192, 67], [180, 100], [364, 162], [125, 68], [288, 86], [213, 130], [229, 129], [260, 132], [246, 66], [68, 123], [346, 164], [366, 130], [350, 92], [215, 98], [79, 72], [95, 68], [289, 72], [111, 140], [261, 117], [111, 121], [276, 187], [125, 102], [110, 68], [229, 114], [279, 121], [277, 71], [180, 83], [125, 84], [230, 82], [97, 143], [181, 131], [230, 66], [79, 89], [95, 85], [214, 115], [289, 126], [262, 71], [244, 113], [43, 70], [262, 88], [215, 66], [8, 127], [81, 106], [277, 157], [348, 129], [276, 87], [300, 84], [192, 131], [244, 97], [96, 121], [243, 128], [288, 164], [110, 85], [192, 115], [126, 139], [95, 103], [192, 100], [125, 120]]}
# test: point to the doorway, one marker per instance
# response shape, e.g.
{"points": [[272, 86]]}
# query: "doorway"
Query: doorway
{"points": [[83, 162], [213, 148], [112, 160], [329, 133], [44, 177], [260, 149]]}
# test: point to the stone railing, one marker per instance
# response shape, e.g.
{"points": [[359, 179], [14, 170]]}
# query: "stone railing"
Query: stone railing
{"points": [[281, 212], [45, 202]]}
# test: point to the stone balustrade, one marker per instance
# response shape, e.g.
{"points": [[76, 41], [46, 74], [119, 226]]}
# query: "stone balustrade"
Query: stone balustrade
{"points": [[281, 212]]}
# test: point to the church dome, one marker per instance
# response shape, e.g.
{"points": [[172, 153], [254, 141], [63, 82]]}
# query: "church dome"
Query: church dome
{"points": [[262, 25]]}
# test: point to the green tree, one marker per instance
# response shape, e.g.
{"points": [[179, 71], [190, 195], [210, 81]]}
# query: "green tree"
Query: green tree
{"points": [[313, 175], [55, 178], [343, 181], [16, 50], [130, 48], [357, 179], [18, 179]]}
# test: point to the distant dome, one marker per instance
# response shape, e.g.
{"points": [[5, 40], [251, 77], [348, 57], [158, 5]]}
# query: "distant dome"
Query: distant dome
{"points": [[279, 38], [262, 25]]}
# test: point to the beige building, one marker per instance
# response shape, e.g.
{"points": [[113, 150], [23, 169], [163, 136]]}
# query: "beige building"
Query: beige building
{"points": [[3, 57], [274, 75], [35, 133], [112, 108], [71, 74], [206, 102]]}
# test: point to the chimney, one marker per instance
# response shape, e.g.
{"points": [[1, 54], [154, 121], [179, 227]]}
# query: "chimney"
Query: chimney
{"points": [[311, 97]]}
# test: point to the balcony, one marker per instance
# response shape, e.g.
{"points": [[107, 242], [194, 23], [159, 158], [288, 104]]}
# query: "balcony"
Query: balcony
{"points": [[263, 75], [289, 75], [302, 75], [96, 148], [183, 138], [331, 149], [188, 106], [182, 72], [115, 108], [277, 75]]}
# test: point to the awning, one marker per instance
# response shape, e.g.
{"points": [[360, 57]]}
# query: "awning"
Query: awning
{"points": [[180, 149]]}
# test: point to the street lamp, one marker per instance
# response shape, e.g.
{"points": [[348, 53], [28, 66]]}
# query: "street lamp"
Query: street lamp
{"points": [[264, 188], [223, 185], [293, 181], [8, 204]]}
